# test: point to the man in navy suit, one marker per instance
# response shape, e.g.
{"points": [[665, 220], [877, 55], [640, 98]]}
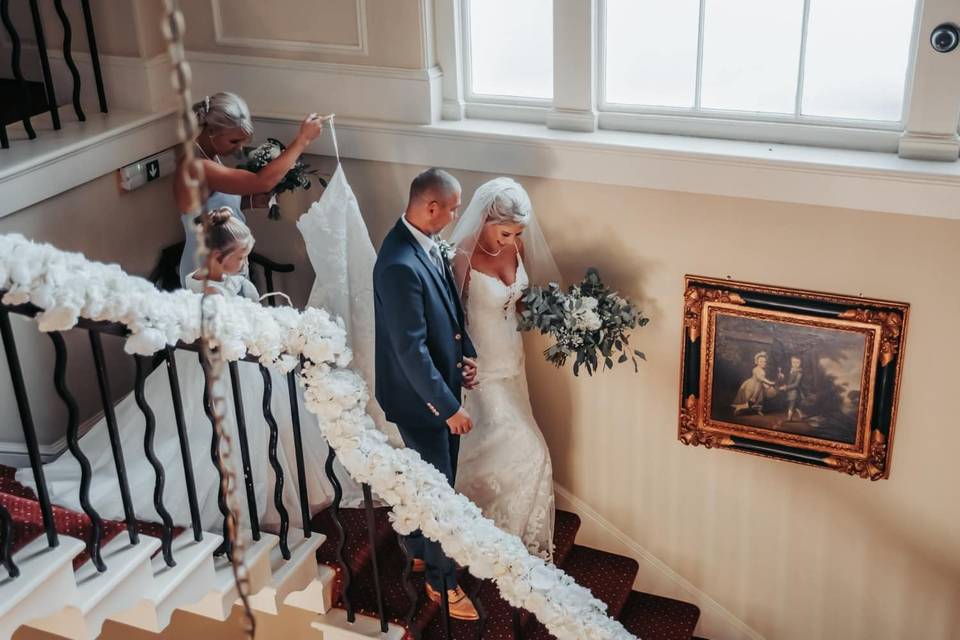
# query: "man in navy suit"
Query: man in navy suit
{"points": [[424, 357]]}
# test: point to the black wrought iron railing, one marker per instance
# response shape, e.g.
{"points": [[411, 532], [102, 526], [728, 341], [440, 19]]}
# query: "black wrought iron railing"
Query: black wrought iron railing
{"points": [[144, 364], [20, 94]]}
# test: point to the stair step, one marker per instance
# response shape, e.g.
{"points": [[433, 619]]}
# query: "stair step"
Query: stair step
{"points": [[334, 626], [44, 584], [608, 575], [101, 594], [656, 618], [173, 587], [294, 575], [565, 528], [218, 602]]}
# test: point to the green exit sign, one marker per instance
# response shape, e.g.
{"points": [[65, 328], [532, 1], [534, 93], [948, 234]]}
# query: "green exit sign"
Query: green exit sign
{"points": [[153, 170]]}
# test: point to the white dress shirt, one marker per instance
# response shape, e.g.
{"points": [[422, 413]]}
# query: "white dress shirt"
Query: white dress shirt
{"points": [[428, 244]]}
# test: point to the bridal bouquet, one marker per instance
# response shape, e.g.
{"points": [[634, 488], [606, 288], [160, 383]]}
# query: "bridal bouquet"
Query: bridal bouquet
{"points": [[298, 177], [588, 321]]}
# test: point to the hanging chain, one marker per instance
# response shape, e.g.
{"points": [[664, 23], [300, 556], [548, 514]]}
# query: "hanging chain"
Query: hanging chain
{"points": [[173, 29]]}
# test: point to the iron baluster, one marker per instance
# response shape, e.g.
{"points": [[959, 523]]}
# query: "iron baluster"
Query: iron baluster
{"points": [[298, 452], [342, 541], [149, 432], [94, 54], [73, 444], [45, 64], [372, 534], [15, 67], [26, 422], [185, 456], [244, 450], [6, 543], [106, 398], [215, 457], [275, 463], [68, 58]]}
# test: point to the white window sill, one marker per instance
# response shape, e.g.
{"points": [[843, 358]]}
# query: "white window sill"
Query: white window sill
{"points": [[765, 171], [57, 161]]}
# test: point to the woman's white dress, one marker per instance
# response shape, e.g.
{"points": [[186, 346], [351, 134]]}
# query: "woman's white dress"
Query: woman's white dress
{"points": [[504, 465]]}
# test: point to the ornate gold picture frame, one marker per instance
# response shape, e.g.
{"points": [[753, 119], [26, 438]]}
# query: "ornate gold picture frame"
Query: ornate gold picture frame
{"points": [[790, 374]]}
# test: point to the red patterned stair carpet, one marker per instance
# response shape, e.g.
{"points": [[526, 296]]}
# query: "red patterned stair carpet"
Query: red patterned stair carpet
{"points": [[24, 509], [610, 577]]}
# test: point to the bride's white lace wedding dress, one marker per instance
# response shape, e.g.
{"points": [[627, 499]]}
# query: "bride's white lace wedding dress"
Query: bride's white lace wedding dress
{"points": [[504, 464]]}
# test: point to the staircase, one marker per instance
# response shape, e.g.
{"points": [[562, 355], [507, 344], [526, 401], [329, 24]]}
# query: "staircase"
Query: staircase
{"points": [[60, 590], [610, 577]]}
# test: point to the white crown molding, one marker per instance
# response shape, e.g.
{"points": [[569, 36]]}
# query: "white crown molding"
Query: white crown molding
{"points": [[654, 576], [354, 91], [361, 48]]}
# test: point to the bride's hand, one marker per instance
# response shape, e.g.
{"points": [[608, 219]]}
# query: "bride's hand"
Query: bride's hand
{"points": [[469, 373]]}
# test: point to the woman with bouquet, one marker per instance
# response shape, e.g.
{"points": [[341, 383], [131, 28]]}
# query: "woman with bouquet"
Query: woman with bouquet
{"points": [[224, 126]]}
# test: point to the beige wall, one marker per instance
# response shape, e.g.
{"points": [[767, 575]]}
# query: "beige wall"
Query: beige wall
{"points": [[392, 29], [106, 225], [795, 552]]}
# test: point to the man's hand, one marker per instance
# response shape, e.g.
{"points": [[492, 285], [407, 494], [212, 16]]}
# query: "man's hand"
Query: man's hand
{"points": [[469, 373], [460, 422]]}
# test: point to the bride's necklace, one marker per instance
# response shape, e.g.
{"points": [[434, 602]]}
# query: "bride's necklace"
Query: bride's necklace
{"points": [[489, 253]]}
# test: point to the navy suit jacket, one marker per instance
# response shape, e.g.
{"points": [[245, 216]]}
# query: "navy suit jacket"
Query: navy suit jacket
{"points": [[420, 335]]}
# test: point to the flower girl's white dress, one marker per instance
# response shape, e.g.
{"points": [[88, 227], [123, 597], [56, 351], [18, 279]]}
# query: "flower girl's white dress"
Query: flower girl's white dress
{"points": [[63, 474]]}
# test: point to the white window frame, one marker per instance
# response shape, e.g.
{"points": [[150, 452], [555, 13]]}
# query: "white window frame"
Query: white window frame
{"points": [[927, 129], [877, 135], [494, 107]]}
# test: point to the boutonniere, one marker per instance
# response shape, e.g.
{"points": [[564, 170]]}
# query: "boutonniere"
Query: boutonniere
{"points": [[447, 250]]}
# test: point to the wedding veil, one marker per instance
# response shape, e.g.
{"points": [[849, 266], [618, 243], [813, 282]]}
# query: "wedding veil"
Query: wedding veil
{"points": [[496, 196]]}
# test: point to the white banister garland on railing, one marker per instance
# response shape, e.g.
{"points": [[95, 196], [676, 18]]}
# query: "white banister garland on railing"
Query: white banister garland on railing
{"points": [[67, 287]]}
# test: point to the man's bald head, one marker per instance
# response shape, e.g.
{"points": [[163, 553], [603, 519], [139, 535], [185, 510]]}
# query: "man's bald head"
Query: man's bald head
{"points": [[434, 200]]}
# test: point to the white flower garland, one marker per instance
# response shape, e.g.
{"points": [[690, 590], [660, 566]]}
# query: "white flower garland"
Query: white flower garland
{"points": [[67, 286]]}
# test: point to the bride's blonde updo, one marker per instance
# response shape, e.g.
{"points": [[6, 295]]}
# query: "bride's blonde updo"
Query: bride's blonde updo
{"points": [[223, 231], [510, 203]]}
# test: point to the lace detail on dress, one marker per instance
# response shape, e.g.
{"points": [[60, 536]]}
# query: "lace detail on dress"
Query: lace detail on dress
{"points": [[504, 464]]}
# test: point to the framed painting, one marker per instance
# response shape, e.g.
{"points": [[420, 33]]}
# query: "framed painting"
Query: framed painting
{"points": [[795, 375]]}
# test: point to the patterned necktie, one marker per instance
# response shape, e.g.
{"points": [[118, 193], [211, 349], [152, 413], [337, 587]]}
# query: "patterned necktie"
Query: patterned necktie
{"points": [[435, 256]]}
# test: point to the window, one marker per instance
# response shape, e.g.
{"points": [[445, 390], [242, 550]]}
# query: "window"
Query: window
{"points": [[807, 60], [854, 74], [510, 47]]}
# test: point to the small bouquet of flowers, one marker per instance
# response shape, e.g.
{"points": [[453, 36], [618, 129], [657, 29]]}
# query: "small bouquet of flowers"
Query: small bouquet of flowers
{"points": [[298, 177], [588, 321]]}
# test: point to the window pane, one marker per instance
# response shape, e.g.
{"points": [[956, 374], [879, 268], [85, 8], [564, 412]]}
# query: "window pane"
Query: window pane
{"points": [[751, 55], [511, 48], [856, 68], [651, 52]]}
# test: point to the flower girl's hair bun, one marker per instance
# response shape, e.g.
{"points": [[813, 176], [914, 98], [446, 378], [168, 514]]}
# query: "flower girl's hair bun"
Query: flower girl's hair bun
{"points": [[223, 231], [510, 204], [222, 111]]}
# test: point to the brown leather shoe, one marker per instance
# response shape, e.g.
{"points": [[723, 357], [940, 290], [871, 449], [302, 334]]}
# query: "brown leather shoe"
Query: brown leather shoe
{"points": [[419, 565], [460, 606]]}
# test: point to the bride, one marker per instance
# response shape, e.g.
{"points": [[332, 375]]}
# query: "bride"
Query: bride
{"points": [[504, 464], [230, 242]]}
